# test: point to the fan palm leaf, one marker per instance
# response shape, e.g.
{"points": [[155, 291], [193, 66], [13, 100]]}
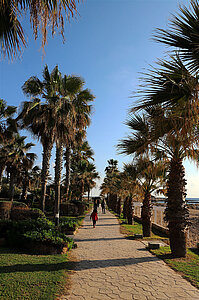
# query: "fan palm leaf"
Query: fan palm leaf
{"points": [[183, 34], [43, 15]]}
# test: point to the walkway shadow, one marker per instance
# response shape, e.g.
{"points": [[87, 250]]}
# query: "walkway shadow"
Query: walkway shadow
{"points": [[106, 224], [100, 239], [103, 217], [98, 264], [37, 267], [87, 226]]}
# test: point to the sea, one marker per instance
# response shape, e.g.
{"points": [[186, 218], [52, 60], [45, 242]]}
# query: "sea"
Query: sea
{"points": [[189, 200], [192, 200]]}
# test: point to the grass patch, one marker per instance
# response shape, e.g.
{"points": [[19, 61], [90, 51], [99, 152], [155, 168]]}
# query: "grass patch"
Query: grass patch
{"points": [[24, 276], [136, 228], [188, 267]]}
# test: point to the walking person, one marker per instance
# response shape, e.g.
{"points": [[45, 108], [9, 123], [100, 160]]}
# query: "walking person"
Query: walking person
{"points": [[94, 217], [103, 206], [95, 205]]}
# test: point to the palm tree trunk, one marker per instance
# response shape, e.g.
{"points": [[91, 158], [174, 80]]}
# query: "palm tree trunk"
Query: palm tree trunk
{"points": [[146, 214], [124, 211], [25, 189], [176, 212], [119, 206], [47, 148], [24, 193], [88, 193], [2, 167], [68, 171], [12, 186], [129, 210], [82, 190], [58, 169]]}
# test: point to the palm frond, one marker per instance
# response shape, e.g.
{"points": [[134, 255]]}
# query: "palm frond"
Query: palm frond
{"points": [[183, 34]]}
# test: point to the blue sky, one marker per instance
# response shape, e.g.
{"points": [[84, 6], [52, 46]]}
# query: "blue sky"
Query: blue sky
{"points": [[108, 44]]}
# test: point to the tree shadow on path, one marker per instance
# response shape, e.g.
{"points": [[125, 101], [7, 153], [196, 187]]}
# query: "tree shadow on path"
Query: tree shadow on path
{"points": [[119, 262], [99, 239], [37, 267]]}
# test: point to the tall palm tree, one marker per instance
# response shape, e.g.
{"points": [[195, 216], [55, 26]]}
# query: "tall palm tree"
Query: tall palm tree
{"points": [[6, 128], [15, 154], [149, 175], [92, 175], [130, 191], [83, 170], [170, 97], [42, 15], [183, 34], [40, 118], [74, 102], [35, 181], [65, 110], [71, 145], [27, 163], [79, 99], [111, 184]]}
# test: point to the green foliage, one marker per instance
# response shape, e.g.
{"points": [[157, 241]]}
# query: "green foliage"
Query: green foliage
{"points": [[4, 193], [23, 213], [24, 231], [69, 223], [188, 267], [52, 237]]}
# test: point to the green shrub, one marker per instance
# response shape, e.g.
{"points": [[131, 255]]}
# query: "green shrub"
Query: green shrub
{"points": [[54, 237], [23, 232], [25, 213], [5, 226], [19, 204], [68, 225]]}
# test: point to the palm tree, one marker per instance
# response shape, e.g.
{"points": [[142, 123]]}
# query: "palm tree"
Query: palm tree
{"points": [[111, 184], [130, 190], [6, 112], [27, 163], [71, 145], [65, 110], [40, 118], [83, 171], [42, 15], [79, 99], [183, 34], [92, 175], [35, 181], [15, 154], [75, 116], [170, 97], [149, 175]]}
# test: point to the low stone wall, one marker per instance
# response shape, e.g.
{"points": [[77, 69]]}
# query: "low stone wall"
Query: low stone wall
{"points": [[5, 209], [155, 226], [157, 214]]}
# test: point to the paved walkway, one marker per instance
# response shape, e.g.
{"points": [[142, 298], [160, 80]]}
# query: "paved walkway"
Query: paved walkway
{"points": [[112, 267]]}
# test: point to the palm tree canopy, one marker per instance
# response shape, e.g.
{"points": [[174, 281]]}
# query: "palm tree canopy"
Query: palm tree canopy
{"points": [[43, 14], [149, 174], [183, 34], [170, 85]]}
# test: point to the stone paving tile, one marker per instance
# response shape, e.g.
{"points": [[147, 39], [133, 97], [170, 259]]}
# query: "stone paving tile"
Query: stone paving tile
{"points": [[112, 267]]}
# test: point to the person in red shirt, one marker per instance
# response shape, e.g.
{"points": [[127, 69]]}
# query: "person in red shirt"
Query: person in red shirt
{"points": [[94, 217]]}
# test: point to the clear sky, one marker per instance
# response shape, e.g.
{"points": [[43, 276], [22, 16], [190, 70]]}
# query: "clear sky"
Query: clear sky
{"points": [[108, 44]]}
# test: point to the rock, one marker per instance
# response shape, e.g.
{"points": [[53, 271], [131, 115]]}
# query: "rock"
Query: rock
{"points": [[138, 236], [154, 245]]}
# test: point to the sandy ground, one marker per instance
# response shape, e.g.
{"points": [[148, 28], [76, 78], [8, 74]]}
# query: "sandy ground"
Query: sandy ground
{"points": [[194, 228]]}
